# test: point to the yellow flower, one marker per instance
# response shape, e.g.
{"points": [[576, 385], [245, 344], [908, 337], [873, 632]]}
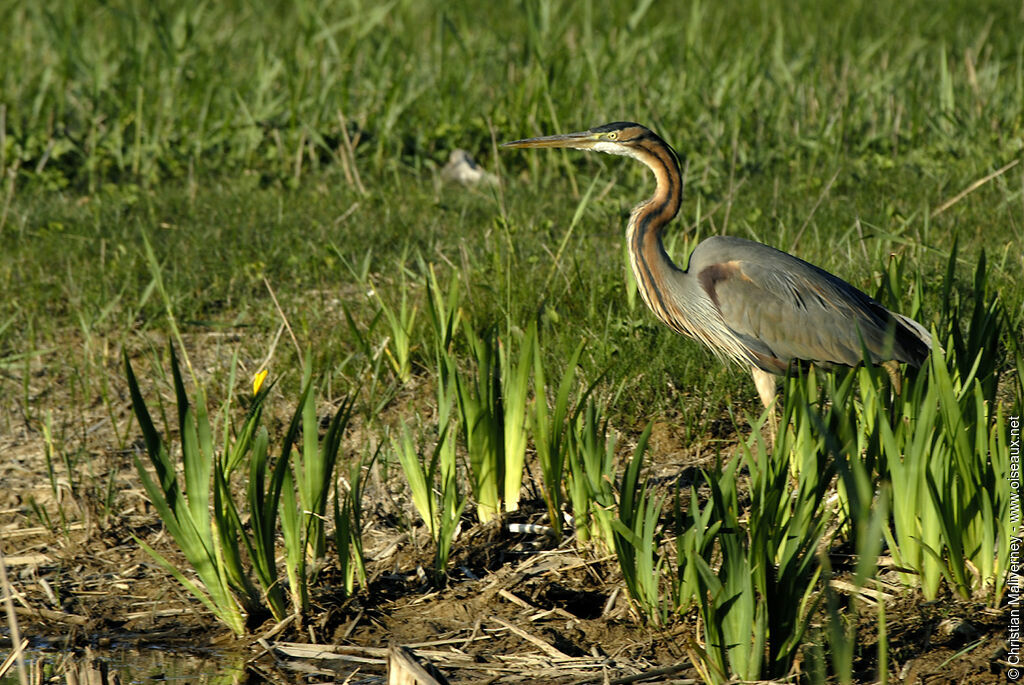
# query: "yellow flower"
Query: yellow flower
{"points": [[257, 381]]}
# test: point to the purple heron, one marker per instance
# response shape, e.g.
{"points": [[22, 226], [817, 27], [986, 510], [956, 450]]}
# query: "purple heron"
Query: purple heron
{"points": [[748, 302]]}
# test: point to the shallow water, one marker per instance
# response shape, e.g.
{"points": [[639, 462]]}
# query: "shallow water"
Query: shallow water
{"points": [[133, 665]]}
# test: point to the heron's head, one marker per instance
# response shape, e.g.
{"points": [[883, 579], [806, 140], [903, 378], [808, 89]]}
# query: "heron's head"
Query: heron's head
{"points": [[619, 138]]}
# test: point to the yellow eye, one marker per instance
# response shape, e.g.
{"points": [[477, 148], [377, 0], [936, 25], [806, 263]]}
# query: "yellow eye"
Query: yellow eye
{"points": [[612, 135]]}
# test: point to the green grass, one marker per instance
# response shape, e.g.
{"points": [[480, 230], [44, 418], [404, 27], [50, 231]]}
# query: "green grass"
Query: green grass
{"points": [[298, 146], [834, 135]]}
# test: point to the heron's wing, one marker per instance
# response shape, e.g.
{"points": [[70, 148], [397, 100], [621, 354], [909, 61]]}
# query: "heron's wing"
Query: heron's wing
{"points": [[785, 309]]}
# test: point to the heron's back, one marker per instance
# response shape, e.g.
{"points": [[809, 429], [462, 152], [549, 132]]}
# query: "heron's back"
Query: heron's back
{"points": [[786, 310]]}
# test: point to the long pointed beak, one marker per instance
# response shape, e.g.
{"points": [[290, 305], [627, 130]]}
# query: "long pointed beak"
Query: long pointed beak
{"points": [[582, 140]]}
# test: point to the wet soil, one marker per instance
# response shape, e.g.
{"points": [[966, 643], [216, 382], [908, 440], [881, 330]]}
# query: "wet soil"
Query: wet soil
{"points": [[517, 607]]}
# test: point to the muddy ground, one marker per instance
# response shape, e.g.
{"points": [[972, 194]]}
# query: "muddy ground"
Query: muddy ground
{"points": [[518, 608]]}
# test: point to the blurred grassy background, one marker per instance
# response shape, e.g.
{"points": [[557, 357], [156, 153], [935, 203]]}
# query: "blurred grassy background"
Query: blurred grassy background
{"points": [[287, 141]]}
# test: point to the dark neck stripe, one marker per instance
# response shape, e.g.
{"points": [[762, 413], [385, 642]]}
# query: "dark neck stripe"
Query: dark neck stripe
{"points": [[649, 218]]}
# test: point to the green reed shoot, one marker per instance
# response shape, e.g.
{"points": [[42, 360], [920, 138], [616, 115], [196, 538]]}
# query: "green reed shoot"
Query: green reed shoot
{"points": [[452, 504], [481, 413], [400, 324], [420, 478], [785, 525], [445, 316], [477, 399], [251, 442], [492, 399], [216, 540], [348, 526], [311, 474], [186, 511], [943, 449], [735, 624], [957, 530], [435, 490], [443, 311], [515, 386], [453, 501], [840, 631], [55, 485], [377, 389], [695, 530], [637, 536], [757, 605], [550, 429], [591, 457], [263, 509]]}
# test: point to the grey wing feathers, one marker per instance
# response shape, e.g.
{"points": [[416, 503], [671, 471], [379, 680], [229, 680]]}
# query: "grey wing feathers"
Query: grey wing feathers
{"points": [[784, 309], [920, 331]]}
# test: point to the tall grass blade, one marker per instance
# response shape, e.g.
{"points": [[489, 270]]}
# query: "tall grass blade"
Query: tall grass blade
{"points": [[348, 525], [190, 527], [637, 537], [481, 412], [420, 478], [515, 381], [591, 458], [550, 432]]}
